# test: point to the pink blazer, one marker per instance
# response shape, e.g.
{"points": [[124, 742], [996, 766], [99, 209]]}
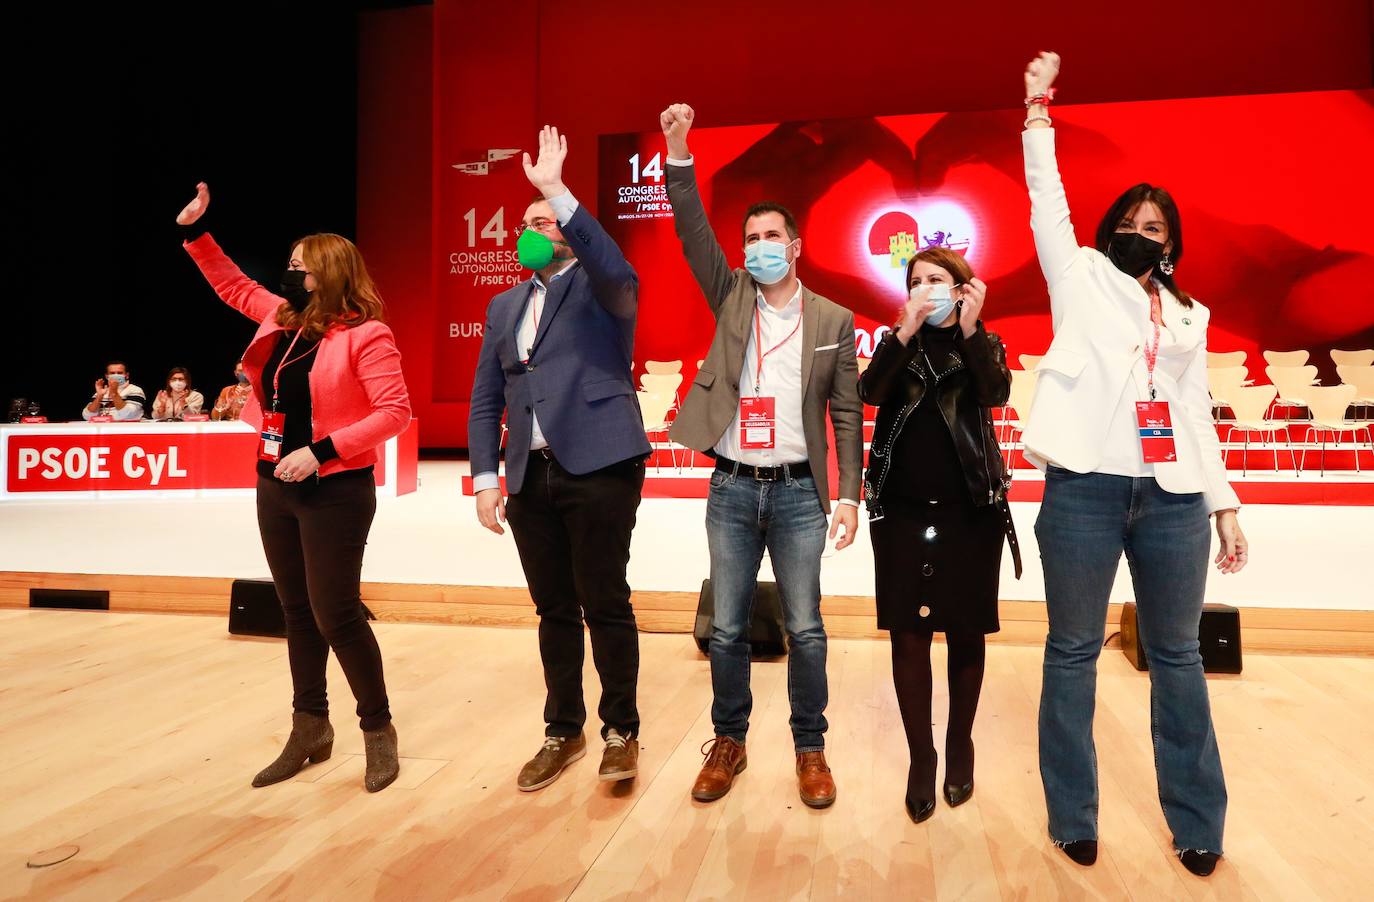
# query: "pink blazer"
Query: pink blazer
{"points": [[357, 392]]}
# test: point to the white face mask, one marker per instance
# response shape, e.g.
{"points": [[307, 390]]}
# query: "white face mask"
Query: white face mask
{"points": [[941, 297], [178, 385]]}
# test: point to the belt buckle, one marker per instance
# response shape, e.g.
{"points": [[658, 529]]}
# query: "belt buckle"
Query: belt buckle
{"points": [[761, 476]]}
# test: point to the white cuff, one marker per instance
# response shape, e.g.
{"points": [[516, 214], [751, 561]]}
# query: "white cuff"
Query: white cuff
{"points": [[853, 504], [564, 206], [687, 162], [483, 481]]}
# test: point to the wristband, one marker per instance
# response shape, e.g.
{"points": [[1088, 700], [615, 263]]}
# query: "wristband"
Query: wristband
{"points": [[1044, 98]]}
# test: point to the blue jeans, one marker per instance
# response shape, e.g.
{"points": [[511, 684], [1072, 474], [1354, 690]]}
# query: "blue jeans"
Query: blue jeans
{"points": [[743, 516], [1086, 522]]}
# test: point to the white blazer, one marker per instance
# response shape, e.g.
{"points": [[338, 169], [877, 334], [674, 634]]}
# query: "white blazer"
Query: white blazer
{"points": [[1099, 315]]}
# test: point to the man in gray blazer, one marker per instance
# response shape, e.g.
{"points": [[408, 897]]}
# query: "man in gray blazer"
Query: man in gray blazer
{"points": [[780, 357]]}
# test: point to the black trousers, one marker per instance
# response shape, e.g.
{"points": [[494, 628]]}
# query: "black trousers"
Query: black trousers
{"points": [[573, 535], [314, 535]]}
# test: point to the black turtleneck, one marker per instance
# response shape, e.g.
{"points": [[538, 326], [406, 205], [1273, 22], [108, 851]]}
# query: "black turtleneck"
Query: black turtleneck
{"points": [[925, 464]]}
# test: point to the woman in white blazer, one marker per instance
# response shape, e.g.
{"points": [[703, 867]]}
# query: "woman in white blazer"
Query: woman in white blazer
{"points": [[1125, 335]]}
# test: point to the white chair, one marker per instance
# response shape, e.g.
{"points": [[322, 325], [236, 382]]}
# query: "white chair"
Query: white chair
{"points": [[1224, 359], [654, 407], [662, 367], [663, 383], [1030, 361], [1292, 383], [1249, 404], [1353, 358], [1221, 383], [1286, 358], [1328, 404], [1362, 377], [1022, 393]]}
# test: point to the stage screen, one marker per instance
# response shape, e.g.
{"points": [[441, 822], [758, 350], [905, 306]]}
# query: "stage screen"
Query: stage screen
{"points": [[1275, 193]]}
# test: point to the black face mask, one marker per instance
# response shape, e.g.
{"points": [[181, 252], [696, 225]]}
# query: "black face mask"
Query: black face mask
{"points": [[1133, 253], [294, 290]]}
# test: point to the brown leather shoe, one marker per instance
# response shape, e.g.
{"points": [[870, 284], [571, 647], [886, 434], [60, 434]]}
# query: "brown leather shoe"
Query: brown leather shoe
{"points": [[557, 753], [620, 760], [725, 759], [814, 781]]}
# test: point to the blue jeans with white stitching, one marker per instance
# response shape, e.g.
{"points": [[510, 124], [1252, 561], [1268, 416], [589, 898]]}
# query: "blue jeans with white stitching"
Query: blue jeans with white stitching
{"points": [[1087, 521], [743, 516]]}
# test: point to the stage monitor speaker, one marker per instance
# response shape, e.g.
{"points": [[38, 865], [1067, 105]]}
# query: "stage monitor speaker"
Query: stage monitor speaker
{"points": [[1218, 638], [70, 599], [767, 635], [254, 609]]}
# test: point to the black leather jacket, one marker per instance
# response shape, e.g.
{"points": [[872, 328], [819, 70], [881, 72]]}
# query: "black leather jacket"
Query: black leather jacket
{"points": [[969, 380]]}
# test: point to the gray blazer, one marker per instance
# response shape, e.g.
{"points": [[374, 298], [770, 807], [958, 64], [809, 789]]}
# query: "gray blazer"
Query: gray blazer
{"points": [[829, 379]]}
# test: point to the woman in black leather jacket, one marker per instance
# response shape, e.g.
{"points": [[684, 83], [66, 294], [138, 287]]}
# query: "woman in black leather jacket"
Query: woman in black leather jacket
{"points": [[936, 495]]}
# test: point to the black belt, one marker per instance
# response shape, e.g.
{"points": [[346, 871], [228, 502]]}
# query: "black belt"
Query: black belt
{"points": [[764, 474]]}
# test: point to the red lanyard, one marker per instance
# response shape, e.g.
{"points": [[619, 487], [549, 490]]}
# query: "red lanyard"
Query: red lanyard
{"points": [[1152, 350], [276, 376], [758, 341]]}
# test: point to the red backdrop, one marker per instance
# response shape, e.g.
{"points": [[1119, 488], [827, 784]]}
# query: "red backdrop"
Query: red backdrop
{"points": [[1280, 269], [442, 86]]}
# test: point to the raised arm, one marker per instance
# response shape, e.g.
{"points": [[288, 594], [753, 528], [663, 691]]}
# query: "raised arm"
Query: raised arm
{"points": [[1055, 242], [699, 245], [614, 282], [229, 282]]}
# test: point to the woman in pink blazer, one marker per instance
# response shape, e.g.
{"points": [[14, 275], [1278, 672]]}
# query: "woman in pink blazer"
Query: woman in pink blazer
{"points": [[327, 391]]}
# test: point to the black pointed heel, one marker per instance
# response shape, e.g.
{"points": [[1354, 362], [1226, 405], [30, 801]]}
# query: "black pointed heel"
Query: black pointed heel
{"points": [[958, 795]]}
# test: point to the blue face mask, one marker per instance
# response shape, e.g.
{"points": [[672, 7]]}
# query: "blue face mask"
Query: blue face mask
{"points": [[767, 262], [118, 378], [943, 300]]}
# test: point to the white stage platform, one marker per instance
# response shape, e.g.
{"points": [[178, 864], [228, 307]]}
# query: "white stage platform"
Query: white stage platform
{"points": [[1304, 557]]}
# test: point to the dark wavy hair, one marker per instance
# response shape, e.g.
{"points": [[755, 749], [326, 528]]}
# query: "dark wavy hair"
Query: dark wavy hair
{"points": [[1124, 207]]}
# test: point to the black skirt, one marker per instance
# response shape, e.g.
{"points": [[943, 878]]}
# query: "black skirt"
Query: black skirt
{"points": [[937, 567]]}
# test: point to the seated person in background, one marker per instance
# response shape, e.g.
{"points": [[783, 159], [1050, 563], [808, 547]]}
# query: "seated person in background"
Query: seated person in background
{"points": [[231, 400], [115, 395], [177, 398]]}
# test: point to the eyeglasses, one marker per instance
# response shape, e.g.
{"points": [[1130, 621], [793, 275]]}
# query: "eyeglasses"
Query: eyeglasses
{"points": [[543, 226]]}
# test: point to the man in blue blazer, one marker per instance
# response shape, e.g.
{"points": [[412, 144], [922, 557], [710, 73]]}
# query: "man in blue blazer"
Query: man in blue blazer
{"points": [[557, 360]]}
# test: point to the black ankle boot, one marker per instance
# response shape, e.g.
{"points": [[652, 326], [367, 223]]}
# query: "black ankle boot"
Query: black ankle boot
{"points": [[1198, 861], [1080, 851]]}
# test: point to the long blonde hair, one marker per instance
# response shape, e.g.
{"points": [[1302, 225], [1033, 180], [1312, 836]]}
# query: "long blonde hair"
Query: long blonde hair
{"points": [[344, 293]]}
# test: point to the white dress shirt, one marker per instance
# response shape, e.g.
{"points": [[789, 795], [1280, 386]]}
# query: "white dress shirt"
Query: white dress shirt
{"points": [[564, 206], [781, 380]]}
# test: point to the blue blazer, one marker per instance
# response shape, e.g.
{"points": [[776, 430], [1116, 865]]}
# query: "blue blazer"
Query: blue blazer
{"points": [[579, 376]]}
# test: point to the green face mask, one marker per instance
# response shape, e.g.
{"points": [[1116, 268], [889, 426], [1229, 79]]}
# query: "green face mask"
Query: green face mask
{"points": [[535, 249]]}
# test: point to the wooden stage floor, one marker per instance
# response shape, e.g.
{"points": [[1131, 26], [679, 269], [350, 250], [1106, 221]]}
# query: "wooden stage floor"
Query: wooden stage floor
{"points": [[134, 736]]}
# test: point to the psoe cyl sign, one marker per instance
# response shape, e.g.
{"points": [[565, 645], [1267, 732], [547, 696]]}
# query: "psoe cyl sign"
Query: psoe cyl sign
{"points": [[81, 463], [44, 462]]}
